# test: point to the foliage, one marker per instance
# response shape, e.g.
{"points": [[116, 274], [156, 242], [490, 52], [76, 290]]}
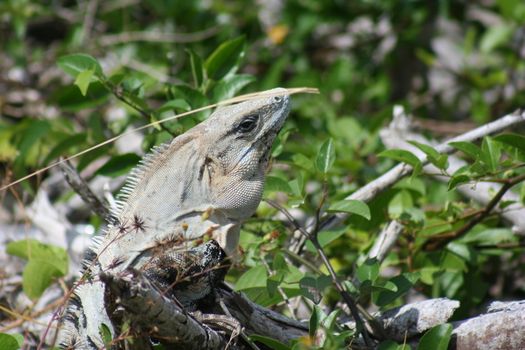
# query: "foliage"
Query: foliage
{"points": [[444, 61]]}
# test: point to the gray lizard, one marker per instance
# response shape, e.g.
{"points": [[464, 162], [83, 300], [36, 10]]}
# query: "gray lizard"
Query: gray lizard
{"points": [[202, 184]]}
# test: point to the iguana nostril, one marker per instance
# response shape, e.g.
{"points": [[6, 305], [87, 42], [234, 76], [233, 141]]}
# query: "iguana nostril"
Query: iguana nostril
{"points": [[277, 98]]}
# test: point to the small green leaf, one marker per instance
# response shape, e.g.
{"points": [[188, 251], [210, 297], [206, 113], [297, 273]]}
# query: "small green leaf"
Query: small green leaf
{"points": [[404, 156], [119, 165], [403, 282], [433, 156], [176, 104], [315, 321], [491, 153], [495, 36], [230, 86], [77, 63], [468, 148], [400, 204], [105, 333], [368, 271], [61, 149], [270, 342], [31, 249], [313, 287], [352, 206], [254, 277], [46, 263], [37, 276], [225, 58], [302, 161], [197, 68], [83, 80], [457, 180], [392, 345], [276, 184], [326, 156], [513, 140], [9, 342], [436, 338], [490, 236]]}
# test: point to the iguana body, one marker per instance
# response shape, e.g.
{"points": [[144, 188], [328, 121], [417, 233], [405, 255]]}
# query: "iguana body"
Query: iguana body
{"points": [[202, 183]]}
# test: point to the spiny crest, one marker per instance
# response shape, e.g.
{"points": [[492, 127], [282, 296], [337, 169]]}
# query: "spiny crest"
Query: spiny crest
{"points": [[137, 175]]}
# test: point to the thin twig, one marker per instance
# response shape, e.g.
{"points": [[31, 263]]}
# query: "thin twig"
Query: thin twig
{"points": [[89, 18], [80, 186], [157, 37]]}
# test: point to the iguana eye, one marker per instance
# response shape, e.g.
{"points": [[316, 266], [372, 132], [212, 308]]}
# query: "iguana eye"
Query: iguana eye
{"points": [[247, 124]]}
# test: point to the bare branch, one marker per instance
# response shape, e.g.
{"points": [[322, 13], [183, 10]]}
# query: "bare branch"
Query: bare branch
{"points": [[80, 186], [157, 37]]}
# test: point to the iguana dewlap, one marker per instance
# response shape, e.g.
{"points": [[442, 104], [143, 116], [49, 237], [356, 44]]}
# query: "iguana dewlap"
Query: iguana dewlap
{"points": [[204, 182]]}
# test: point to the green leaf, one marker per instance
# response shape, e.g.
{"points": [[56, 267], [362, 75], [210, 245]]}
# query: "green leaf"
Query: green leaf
{"points": [[468, 148], [368, 271], [37, 276], [229, 87], [9, 342], [490, 236], [302, 161], [352, 206], [225, 58], [254, 277], [83, 80], [313, 287], [491, 153], [457, 180], [404, 156], [392, 345], [403, 283], [495, 36], [36, 130], [276, 184], [436, 338], [315, 321], [77, 63], [176, 104], [270, 342], [31, 249], [400, 203], [326, 156], [433, 156], [119, 165], [62, 148], [197, 68], [105, 333], [513, 140], [46, 263], [325, 237]]}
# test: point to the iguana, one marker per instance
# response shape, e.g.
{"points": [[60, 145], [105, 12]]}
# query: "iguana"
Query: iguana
{"points": [[203, 183]]}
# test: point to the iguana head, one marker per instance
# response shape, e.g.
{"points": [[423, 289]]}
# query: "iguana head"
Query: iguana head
{"points": [[241, 138], [218, 165]]}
